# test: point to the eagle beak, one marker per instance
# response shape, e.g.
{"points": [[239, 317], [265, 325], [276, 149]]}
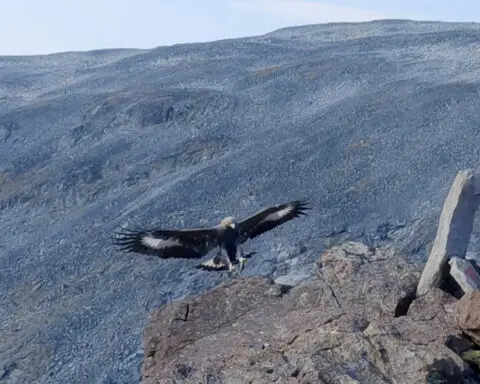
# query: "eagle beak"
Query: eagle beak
{"points": [[232, 225]]}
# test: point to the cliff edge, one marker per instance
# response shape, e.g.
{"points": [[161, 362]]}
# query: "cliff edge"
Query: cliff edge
{"points": [[356, 321]]}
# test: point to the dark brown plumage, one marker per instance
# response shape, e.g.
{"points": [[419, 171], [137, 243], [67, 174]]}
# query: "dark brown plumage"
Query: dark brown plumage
{"points": [[197, 242]]}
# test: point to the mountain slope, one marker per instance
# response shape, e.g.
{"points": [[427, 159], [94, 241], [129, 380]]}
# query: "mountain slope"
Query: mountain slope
{"points": [[371, 121]]}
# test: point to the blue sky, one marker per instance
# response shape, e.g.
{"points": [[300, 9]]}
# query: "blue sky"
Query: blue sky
{"points": [[46, 26]]}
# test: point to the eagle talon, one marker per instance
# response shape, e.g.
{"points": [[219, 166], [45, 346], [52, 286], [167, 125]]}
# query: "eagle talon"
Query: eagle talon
{"points": [[242, 261], [232, 271]]}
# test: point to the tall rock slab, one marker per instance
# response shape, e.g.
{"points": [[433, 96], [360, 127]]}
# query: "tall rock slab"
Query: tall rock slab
{"points": [[454, 230]]}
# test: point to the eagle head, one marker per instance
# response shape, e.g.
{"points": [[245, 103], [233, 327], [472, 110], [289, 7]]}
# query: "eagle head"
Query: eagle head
{"points": [[228, 222]]}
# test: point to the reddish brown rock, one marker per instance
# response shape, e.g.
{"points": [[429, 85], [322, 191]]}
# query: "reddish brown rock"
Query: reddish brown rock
{"points": [[349, 324], [468, 315]]}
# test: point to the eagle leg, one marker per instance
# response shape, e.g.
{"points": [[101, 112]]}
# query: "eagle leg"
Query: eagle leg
{"points": [[231, 267], [231, 270], [237, 266], [242, 260]]}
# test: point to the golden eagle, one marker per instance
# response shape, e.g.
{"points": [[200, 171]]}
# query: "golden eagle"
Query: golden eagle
{"points": [[197, 242]]}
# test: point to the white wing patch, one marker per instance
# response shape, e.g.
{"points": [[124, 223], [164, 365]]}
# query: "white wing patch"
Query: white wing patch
{"points": [[279, 214], [157, 243], [213, 263]]}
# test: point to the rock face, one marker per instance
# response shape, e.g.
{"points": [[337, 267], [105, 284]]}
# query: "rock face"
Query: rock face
{"points": [[354, 322], [465, 274], [453, 232], [468, 315]]}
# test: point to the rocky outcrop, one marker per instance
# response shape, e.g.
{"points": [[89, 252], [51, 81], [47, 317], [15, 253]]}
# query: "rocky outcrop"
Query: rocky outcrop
{"points": [[356, 321], [453, 235], [468, 315]]}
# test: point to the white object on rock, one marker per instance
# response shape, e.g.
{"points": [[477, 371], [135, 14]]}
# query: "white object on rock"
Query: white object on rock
{"points": [[464, 274], [474, 257]]}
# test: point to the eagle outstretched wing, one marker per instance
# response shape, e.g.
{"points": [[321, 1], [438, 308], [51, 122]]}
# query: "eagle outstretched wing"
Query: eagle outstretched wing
{"points": [[270, 218], [168, 243]]}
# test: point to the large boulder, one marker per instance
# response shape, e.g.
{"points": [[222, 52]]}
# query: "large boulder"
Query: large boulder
{"points": [[468, 315], [356, 321]]}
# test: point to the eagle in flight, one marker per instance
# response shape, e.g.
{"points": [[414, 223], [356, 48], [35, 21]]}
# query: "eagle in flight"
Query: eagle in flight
{"points": [[228, 236]]}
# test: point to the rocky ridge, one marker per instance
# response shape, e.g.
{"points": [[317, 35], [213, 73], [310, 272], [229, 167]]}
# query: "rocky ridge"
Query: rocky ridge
{"points": [[355, 321]]}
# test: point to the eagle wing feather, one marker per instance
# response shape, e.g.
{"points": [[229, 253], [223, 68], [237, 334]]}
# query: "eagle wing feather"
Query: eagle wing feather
{"points": [[168, 243], [214, 264], [270, 218]]}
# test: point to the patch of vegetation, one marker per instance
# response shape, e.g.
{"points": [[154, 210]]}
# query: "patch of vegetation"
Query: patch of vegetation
{"points": [[267, 71]]}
